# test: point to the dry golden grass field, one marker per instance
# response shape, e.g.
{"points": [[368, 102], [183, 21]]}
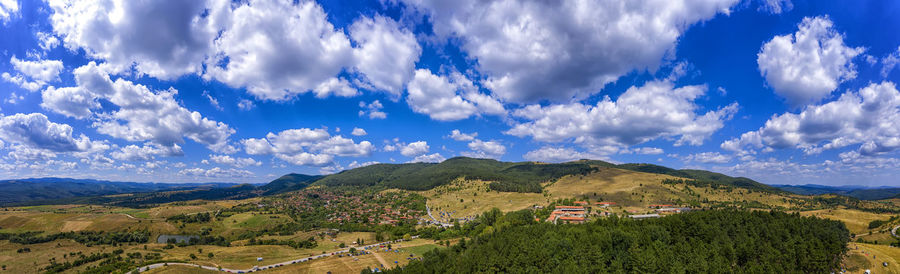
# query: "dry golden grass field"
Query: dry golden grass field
{"points": [[872, 257], [856, 221]]}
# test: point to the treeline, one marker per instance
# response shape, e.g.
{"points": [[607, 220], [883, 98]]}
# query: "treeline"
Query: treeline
{"points": [[83, 237], [201, 240], [696, 183], [193, 218], [112, 262], [506, 176], [716, 241]]}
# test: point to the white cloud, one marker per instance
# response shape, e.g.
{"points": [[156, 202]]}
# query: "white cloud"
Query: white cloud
{"points": [[277, 49], [708, 157], [459, 136], [869, 117], [163, 40], [806, 66], [234, 161], [648, 150], [428, 158], [414, 149], [485, 149], [335, 86], [655, 110], [559, 154], [216, 172], [33, 75], [146, 152], [212, 100], [245, 104], [889, 62], [559, 50], [142, 114], [358, 132], [372, 110], [354, 164], [776, 6], [8, 9], [386, 54], [34, 130], [48, 40], [307, 146], [448, 98]]}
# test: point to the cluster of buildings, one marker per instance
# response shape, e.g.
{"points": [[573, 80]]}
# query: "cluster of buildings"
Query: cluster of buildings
{"points": [[579, 213], [582, 210], [379, 208], [567, 214]]}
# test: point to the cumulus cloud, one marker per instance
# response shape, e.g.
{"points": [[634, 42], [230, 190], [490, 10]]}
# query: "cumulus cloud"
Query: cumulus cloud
{"points": [[146, 152], [335, 86], [655, 110], [708, 157], [141, 114], [355, 164], [869, 118], [48, 40], [358, 132], [386, 55], [459, 136], [889, 62], [648, 150], [277, 49], [372, 110], [428, 158], [216, 172], [485, 149], [245, 104], [234, 161], [448, 98], [414, 149], [8, 8], [559, 50], [806, 66], [559, 154], [34, 130], [776, 6], [33, 75], [164, 40], [306, 146]]}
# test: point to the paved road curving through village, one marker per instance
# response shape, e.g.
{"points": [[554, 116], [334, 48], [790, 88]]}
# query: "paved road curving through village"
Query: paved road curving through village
{"points": [[427, 208], [258, 268]]}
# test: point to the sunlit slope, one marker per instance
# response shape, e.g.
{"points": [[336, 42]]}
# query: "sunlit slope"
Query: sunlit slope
{"points": [[630, 190]]}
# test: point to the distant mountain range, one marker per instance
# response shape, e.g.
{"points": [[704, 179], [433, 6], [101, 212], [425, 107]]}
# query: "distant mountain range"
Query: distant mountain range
{"points": [[505, 177], [859, 192], [34, 189]]}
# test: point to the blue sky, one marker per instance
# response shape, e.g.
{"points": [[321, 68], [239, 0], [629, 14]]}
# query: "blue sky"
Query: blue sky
{"points": [[784, 92]]}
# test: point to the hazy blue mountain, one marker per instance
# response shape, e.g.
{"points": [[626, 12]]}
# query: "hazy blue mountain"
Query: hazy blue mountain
{"points": [[34, 189], [859, 192]]}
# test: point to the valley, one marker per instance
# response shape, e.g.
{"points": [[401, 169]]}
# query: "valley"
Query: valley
{"points": [[291, 223]]}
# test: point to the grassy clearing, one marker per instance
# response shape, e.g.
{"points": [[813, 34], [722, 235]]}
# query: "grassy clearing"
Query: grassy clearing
{"points": [[870, 256], [355, 264], [40, 255], [467, 198], [856, 221], [632, 191]]}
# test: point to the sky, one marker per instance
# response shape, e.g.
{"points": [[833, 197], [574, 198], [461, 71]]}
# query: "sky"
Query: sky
{"points": [[783, 92]]}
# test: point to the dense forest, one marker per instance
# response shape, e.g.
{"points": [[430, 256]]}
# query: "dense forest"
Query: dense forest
{"points": [[506, 176], [715, 241]]}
